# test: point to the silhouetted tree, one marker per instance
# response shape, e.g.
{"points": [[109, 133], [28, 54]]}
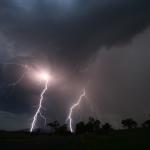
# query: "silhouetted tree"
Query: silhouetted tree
{"points": [[129, 123], [62, 130], [90, 125], [146, 124], [93, 125], [54, 125], [80, 127], [107, 127], [97, 124]]}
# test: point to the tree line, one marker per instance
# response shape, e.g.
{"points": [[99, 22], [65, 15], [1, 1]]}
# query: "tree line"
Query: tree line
{"points": [[95, 126]]}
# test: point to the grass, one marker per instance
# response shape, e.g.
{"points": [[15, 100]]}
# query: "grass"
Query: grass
{"points": [[138, 139]]}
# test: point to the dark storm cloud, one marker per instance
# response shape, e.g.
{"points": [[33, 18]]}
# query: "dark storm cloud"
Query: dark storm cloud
{"points": [[73, 34], [67, 35]]}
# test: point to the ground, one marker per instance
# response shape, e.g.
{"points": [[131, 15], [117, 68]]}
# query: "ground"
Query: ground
{"points": [[138, 139]]}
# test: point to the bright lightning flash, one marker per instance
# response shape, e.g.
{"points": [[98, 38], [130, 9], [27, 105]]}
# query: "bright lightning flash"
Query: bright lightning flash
{"points": [[72, 109], [45, 77]]}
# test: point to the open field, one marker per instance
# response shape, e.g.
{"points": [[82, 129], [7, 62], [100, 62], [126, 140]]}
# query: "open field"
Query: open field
{"points": [[138, 139]]}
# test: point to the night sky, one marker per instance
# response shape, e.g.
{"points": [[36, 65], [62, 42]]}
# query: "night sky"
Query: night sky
{"points": [[102, 45]]}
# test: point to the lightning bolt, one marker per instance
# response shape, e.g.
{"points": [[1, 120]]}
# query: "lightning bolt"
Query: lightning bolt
{"points": [[72, 109], [38, 112]]}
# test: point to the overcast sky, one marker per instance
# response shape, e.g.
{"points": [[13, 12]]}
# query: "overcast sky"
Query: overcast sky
{"points": [[102, 45]]}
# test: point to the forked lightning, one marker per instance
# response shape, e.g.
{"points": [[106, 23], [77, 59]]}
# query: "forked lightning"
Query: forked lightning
{"points": [[72, 109], [38, 112]]}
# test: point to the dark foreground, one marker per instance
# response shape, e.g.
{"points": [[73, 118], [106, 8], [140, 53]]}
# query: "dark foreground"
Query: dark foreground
{"points": [[138, 139]]}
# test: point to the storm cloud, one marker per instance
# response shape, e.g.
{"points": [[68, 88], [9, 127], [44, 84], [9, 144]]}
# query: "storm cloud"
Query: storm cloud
{"points": [[101, 44], [72, 32]]}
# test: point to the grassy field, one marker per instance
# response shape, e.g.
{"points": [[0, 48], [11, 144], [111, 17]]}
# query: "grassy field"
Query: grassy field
{"points": [[138, 139]]}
